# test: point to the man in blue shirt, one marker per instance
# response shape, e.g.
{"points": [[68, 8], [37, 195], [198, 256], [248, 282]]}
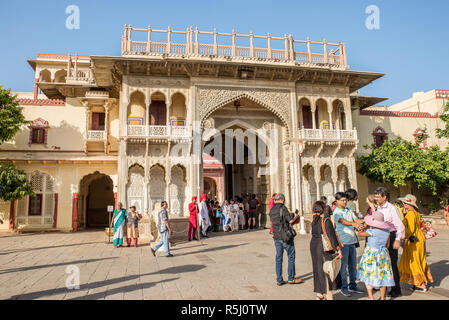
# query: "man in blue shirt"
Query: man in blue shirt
{"points": [[345, 222], [164, 229]]}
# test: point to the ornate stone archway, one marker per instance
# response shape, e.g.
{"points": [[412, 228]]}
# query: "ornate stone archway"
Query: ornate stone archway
{"points": [[209, 99]]}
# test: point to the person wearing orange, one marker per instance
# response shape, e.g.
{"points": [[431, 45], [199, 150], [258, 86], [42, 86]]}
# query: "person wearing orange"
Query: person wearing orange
{"points": [[193, 220], [413, 268]]}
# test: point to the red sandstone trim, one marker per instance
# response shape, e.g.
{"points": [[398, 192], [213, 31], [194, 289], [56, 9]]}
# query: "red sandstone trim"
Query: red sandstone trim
{"points": [[399, 114], [55, 217], [41, 102], [12, 214]]}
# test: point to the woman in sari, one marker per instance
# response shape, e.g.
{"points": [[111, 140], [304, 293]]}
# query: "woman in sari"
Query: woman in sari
{"points": [[413, 268], [119, 225]]}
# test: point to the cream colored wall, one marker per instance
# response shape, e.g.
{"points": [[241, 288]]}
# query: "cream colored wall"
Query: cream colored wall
{"points": [[394, 127], [67, 128], [67, 178], [4, 215], [421, 102]]}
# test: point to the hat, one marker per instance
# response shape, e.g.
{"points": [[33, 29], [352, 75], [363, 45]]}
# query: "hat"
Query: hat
{"points": [[409, 199], [203, 196], [193, 198], [377, 220], [332, 267]]}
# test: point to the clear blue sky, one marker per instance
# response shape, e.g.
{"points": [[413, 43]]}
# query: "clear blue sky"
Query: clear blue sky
{"points": [[411, 46]]}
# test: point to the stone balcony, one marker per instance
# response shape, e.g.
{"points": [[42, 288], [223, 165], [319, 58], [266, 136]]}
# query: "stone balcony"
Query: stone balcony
{"points": [[327, 135], [96, 135], [159, 132]]}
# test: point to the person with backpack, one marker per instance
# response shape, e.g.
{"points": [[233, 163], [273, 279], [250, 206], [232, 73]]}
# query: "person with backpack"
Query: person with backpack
{"points": [[283, 235], [253, 205]]}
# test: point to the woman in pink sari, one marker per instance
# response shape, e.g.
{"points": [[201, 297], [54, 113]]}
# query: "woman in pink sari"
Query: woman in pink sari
{"points": [[193, 220]]}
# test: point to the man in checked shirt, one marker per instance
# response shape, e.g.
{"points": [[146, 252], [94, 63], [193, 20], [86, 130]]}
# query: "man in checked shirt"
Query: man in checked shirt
{"points": [[391, 214]]}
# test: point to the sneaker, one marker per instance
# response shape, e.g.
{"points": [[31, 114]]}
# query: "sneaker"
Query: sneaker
{"points": [[355, 290], [345, 292], [169, 255], [153, 252], [281, 283]]}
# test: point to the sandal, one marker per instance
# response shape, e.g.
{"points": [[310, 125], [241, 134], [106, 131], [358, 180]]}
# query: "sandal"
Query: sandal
{"points": [[295, 281], [320, 297]]}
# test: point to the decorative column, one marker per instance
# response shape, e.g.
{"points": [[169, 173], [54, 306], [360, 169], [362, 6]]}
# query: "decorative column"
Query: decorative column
{"points": [[317, 173], [106, 126], [75, 194], [55, 215], [313, 109], [122, 172], [270, 56]]}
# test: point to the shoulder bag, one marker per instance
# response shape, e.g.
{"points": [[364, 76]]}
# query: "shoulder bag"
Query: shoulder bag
{"points": [[324, 238]]}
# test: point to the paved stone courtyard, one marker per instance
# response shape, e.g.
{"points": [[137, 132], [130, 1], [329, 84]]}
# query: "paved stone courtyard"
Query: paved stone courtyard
{"points": [[224, 266]]}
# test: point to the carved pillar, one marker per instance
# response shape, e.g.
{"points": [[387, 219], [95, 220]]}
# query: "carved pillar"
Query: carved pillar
{"points": [[317, 172], [313, 109], [146, 180], [122, 173], [106, 126]]}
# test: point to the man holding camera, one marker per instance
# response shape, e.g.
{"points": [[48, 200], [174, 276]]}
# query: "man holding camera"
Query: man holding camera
{"points": [[283, 239]]}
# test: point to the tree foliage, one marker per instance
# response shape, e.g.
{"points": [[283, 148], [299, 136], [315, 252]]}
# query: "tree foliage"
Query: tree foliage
{"points": [[444, 133], [11, 117], [400, 161], [14, 184]]}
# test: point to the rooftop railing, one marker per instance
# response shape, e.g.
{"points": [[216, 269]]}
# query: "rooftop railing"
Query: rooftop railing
{"points": [[298, 51]]}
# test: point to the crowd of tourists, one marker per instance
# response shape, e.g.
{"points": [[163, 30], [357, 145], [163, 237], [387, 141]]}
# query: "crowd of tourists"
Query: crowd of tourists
{"points": [[336, 230], [385, 227], [236, 214]]}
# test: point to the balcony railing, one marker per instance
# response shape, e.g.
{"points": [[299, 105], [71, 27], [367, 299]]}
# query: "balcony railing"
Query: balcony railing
{"points": [[172, 132], [96, 135], [328, 135], [288, 49]]}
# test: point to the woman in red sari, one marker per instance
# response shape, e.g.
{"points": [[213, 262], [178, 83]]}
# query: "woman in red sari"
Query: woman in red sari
{"points": [[193, 221], [271, 205]]}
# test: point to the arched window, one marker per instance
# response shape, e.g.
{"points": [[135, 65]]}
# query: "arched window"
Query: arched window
{"points": [[379, 136], [40, 209], [420, 132], [38, 131]]}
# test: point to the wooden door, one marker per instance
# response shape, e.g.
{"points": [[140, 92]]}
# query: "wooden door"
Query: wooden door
{"points": [[307, 117], [158, 113]]}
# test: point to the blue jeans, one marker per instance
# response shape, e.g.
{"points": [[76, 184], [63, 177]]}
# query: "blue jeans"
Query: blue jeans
{"points": [[290, 248], [163, 242], [348, 262]]}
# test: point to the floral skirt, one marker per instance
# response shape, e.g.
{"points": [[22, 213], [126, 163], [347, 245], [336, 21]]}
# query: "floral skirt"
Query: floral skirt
{"points": [[375, 269]]}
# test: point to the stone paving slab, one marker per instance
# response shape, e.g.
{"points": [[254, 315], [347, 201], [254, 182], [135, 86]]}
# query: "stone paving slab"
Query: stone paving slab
{"points": [[224, 266]]}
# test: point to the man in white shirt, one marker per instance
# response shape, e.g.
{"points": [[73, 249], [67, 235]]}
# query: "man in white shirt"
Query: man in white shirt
{"points": [[234, 208], [391, 214], [204, 212]]}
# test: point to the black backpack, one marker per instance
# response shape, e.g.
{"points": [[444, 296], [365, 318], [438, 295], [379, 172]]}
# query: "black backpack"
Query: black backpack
{"points": [[253, 204]]}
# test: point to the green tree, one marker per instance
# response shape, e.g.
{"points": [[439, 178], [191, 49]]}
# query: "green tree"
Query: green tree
{"points": [[400, 161], [11, 117], [444, 133], [13, 183]]}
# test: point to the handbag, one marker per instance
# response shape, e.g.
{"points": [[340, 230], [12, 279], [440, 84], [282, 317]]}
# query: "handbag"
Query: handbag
{"points": [[324, 238], [332, 267]]}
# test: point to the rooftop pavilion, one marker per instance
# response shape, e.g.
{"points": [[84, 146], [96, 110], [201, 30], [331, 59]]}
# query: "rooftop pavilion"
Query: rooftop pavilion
{"points": [[282, 50]]}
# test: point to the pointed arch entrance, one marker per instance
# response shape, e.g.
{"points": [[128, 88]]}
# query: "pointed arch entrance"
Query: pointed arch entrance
{"points": [[246, 138], [96, 193]]}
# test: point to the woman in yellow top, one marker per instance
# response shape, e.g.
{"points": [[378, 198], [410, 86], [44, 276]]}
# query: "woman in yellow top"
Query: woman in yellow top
{"points": [[413, 268]]}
